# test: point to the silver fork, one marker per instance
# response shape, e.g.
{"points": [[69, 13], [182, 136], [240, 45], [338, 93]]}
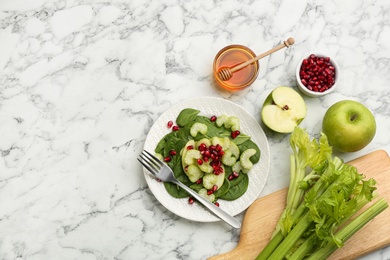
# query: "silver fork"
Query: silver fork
{"points": [[161, 171]]}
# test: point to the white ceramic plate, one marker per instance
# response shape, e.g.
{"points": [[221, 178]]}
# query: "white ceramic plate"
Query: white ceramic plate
{"points": [[209, 106]]}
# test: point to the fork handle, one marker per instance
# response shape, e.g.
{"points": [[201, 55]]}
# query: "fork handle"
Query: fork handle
{"points": [[212, 207]]}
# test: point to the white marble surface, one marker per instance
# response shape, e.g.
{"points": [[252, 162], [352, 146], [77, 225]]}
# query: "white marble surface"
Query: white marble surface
{"points": [[82, 81]]}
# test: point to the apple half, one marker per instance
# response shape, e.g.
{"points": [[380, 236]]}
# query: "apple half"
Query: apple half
{"points": [[283, 110]]}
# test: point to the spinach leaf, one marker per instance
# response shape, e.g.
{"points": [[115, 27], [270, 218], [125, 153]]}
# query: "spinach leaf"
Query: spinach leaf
{"points": [[186, 116], [175, 191], [161, 145], [236, 181], [173, 143], [237, 191], [241, 138], [175, 165], [197, 187], [223, 189], [184, 134]]}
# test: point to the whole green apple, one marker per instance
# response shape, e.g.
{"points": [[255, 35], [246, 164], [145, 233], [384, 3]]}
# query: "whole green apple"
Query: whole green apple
{"points": [[349, 125]]}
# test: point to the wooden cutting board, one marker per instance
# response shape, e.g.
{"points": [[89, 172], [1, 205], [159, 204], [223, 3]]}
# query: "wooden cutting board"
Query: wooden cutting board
{"points": [[261, 217]]}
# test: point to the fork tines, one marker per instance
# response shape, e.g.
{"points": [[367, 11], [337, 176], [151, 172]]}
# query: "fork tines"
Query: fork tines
{"points": [[150, 162]]}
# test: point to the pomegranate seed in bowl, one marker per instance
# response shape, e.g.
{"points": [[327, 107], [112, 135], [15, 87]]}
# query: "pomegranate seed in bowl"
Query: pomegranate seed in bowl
{"points": [[317, 75]]}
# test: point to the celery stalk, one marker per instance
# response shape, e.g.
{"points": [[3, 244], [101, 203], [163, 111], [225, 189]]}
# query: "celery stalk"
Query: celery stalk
{"points": [[278, 237], [267, 251], [292, 237], [306, 153], [305, 248], [317, 190], [350, 229], [308, 245]]}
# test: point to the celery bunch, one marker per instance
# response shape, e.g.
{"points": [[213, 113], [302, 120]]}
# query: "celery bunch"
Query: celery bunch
{"points": [[323, 195]]}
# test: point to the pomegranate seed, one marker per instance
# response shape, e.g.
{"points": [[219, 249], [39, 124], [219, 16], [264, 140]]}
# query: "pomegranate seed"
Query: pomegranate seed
{"points": [[230, 177], [172, 152], [206, 159], [199, 181], [235, 174], [218, 147], [170, 124], [218, 170], [175, 128], [191, 200], [213, 118], [190, 147], [216, 203], [215, 188], [167, 159], [200, 161], [234, 134], [202, 147], [186, 168], [209, 192]]}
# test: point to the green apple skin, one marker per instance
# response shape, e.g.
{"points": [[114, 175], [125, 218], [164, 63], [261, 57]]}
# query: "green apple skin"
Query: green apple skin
{"points": [[349, 125]]}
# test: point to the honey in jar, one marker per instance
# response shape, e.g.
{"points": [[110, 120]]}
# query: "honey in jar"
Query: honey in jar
{"points": [[231, 56]]}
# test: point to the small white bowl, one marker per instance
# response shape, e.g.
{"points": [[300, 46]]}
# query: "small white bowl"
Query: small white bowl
{"points": [[312, 93]]}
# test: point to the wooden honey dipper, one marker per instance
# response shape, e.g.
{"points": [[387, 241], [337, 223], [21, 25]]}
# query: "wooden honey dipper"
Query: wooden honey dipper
{"points": [[226, 73]]}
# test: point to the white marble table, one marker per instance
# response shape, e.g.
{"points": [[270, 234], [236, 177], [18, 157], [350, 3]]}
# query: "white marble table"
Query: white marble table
{"points": [[83, 81]]}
